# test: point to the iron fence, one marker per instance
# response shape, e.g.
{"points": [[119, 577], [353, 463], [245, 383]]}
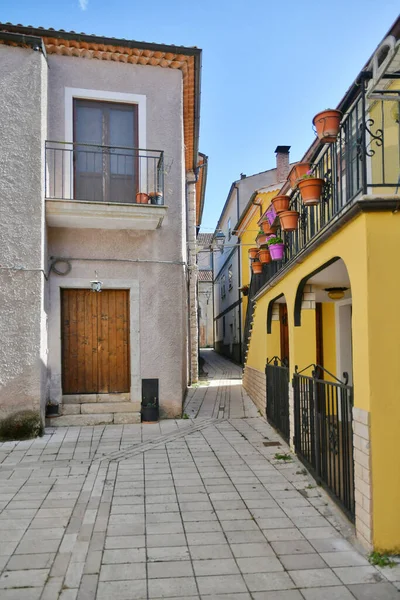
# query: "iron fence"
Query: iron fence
{"points": [[277, 380], [323, 431], [76, 171]]}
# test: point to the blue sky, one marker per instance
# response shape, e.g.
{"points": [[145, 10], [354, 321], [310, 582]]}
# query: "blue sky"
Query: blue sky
{"points": [[268, 67]]}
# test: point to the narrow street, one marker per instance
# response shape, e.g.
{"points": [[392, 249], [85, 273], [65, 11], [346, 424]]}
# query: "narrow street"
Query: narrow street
{"points": [[212, 506]]}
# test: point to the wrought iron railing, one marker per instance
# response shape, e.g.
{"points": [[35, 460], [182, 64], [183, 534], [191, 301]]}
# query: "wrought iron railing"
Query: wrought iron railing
{"points": [[277, 408], [323, 431], [76, 171]]}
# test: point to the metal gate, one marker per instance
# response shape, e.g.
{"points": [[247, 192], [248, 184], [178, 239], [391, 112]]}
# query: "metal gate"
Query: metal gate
{"points": [[324, 433], [277, 376]]}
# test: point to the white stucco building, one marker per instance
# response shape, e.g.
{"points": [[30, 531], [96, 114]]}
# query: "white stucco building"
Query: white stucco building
{"points": [[100, 170], [205, 290]]}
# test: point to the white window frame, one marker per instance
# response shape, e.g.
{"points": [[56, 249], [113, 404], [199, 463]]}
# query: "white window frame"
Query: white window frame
{"points": [[105, 96]]}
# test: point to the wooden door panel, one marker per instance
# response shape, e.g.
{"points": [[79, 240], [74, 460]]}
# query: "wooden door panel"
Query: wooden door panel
{"points": [[95, 341], [284, 332]]}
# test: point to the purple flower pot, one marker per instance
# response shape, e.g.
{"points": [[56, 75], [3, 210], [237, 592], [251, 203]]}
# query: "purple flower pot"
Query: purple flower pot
{"points": [[277, 251]]}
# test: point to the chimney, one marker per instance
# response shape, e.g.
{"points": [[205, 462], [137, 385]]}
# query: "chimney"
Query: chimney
{"points": [[282, 162]]}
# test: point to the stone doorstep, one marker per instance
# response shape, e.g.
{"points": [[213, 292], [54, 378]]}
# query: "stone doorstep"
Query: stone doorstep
{"points": [[86, 398], [99, 408], [94, 419]]}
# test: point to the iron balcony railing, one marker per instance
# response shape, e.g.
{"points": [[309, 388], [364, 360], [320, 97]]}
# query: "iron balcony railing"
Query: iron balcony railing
{"points": [[94, 173]]}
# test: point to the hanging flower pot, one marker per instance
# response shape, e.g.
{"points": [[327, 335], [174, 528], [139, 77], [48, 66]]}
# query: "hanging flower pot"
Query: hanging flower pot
{"points": [[256, 267], [297, 172], [276, 248], [311, 190], [262, 239], [253, 253], [245, 290], [281, 203], [267, 228], [264, 256], [327, 124], [289, 220], [142, 198]]}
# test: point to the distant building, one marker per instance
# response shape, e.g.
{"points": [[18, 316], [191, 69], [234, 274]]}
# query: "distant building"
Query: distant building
{"points": [[205, 290]]}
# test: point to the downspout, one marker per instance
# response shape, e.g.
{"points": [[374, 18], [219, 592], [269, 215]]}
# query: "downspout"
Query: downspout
{"points": [[240, 277], [213, 298]]}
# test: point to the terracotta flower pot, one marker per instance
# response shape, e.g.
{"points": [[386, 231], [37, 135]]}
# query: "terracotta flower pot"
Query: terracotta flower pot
{"points": [[262, 239], [289, 220], [311, 190], [277, 251], [253, 252], [267, 229], [264, 256], [297, 173], [142, 198], [281, 203], [327, 124], [257, 267]]}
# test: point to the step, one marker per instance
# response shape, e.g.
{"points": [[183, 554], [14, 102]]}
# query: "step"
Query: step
{"points": [[94, 419], [110, 407], [86, 398]]}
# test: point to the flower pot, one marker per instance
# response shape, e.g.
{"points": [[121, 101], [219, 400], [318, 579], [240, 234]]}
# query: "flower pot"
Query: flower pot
{"points": [[245, 290], [277, 251], [311, 190], [253, 253], [281, 203], [262, 239], [142, 198], [156, 198], [51, 410], [297, 173], [264, 256], [149, 413], [289, 220], [327, 124], [267, 228], [257, 267]]}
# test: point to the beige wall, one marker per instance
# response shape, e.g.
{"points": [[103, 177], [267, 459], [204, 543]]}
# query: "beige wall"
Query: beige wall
{"points": [[162, 316], [23, 122]]}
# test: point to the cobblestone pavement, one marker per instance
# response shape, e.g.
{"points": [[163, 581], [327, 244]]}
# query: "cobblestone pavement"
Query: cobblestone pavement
{"points": [[190, 509]]}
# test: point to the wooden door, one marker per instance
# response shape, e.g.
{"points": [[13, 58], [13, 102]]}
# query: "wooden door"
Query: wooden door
{"points": [[283, 319], [95, 341]]}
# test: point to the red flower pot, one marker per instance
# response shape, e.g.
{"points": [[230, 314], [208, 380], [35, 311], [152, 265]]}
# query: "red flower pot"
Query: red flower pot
{"points": [[311, 190], [327, 124], [267, 228], [257, 267], [281, 203], [264, 256], [253, 252], [297, 173], [289, 220], [262, 239], [277, 251], [142, 198]]}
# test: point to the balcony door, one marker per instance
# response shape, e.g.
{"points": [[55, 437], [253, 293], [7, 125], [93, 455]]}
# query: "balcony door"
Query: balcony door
{"points": [[105, 164]]}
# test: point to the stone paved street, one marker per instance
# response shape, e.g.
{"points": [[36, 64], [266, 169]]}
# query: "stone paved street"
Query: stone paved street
{"points": [[193, 508]]}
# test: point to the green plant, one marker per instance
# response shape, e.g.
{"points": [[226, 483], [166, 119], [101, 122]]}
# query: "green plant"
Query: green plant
{"points": [[22, 425], [308, 175], [185, 416], [381, 560], [275, 240], [285, 457], [260, 232]]}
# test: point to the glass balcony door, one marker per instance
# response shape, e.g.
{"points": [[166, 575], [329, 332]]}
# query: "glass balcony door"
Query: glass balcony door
{"points": [[105, 170]]}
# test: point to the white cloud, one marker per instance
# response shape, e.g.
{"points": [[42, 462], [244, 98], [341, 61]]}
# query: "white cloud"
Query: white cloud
{"points": [[83, 4]]}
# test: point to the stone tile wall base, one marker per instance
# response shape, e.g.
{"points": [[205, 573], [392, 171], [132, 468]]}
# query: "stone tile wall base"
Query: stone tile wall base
{"points": [[362, 476], [255, 385]]}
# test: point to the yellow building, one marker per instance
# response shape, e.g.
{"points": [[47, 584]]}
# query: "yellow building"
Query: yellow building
{"points": [[323, 324]]}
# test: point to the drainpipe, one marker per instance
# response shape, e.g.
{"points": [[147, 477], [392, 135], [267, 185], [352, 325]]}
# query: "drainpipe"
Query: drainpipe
{"points": [[240, 276]]}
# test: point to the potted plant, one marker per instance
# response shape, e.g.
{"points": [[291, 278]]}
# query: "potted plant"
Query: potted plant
{"points": [[253, 253], [310, 189], [150, 411], [264, 255], [276, 248], [156, 198], [257, 267], [297, 173], [262, 239], [267, 228], [327, 124], [245, 290], [289, 220], [281, 203], [51, 409], [142, 198]]}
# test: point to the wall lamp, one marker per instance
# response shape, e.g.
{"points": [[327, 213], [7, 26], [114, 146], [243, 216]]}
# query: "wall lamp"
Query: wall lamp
{"points": [[336, 293], [218, 241]]}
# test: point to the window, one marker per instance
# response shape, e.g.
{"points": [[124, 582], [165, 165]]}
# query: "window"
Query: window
{"points": [[230, 278], [102, 174], [223, 290], [229, 229]]}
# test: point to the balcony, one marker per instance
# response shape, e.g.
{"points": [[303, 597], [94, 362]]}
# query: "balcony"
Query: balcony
{"points": [[105, 187]]}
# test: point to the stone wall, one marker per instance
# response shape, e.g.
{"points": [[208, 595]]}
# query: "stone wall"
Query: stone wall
{"points": [[255, 385], [362, 475]]}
